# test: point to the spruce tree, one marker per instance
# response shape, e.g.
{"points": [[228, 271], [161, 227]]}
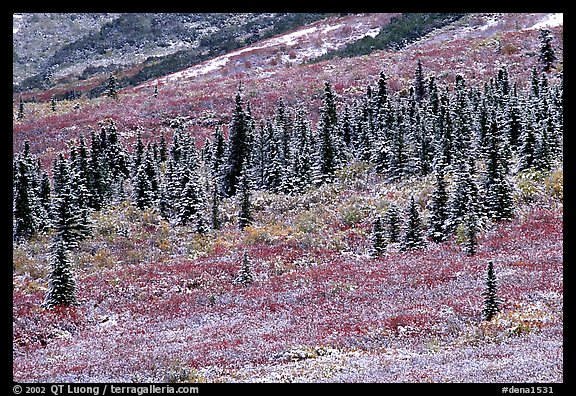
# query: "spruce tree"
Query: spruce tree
{"points": [[68, 220], [438, 207], [491, 300], [392, 223], [470, 233], [142, 189], [53, 103], [547, 55], [61, 284], [412, 238], [239, 147], [245, 214], [245, 275], [112, 87], [20, 114], [327, 155], [191, 203], [24, 204], [419, 90], [215, 210], [378, 238]]}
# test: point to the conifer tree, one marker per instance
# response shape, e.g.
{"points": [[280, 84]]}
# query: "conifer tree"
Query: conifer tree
{"points": [[238, 154], [218, 152], [465, 197], [378, 238], [547, 55], [112, 87], [438, 206], [245, 275], [327, 155], [491, 300], [20, 114], [412, 238], [142, 189], [382, 92], [68, 219], [53, 103], [215, 210], [392, 223], [499, 203], [191, 204], [24, 203], [45, 201], [245, 214], [61, 284], [419, 90], [527, 149], [470, 233]]}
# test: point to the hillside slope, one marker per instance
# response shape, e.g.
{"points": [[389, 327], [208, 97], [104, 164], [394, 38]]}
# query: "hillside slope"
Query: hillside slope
{"points": [[53, 48]]}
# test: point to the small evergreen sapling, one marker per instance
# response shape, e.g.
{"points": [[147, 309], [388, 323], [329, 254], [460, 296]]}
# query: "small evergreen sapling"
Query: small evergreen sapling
{"points": [[491, 300]]}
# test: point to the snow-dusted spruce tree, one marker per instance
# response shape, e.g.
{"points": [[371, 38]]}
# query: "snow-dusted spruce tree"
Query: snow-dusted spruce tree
{"points": [[61, 283], [378, 238], [238, 147], [69, 220], [438, 206], [392, 223], [112, 87], [491, 300], [327, 156], [547, 55], [245, 276], [413, 237], [245, 214], [24, 203], [20, 114], [142, 189], [216, 221], [470, 233], [191, 202], [419, 90]]}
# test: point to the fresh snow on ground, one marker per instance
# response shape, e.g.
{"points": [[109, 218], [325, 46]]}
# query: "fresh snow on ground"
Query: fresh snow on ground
{"points": [[550, 20]]}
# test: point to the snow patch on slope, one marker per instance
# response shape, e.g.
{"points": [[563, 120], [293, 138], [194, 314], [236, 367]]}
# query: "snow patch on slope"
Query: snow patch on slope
{"points": [[550, 20], [287, 49]]}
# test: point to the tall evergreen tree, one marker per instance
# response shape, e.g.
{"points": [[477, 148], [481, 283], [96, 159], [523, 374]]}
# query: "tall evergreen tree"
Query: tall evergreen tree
{"points": [[547, 55], [238, 154], [327, 155], [419, 90], [491, 300]]}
